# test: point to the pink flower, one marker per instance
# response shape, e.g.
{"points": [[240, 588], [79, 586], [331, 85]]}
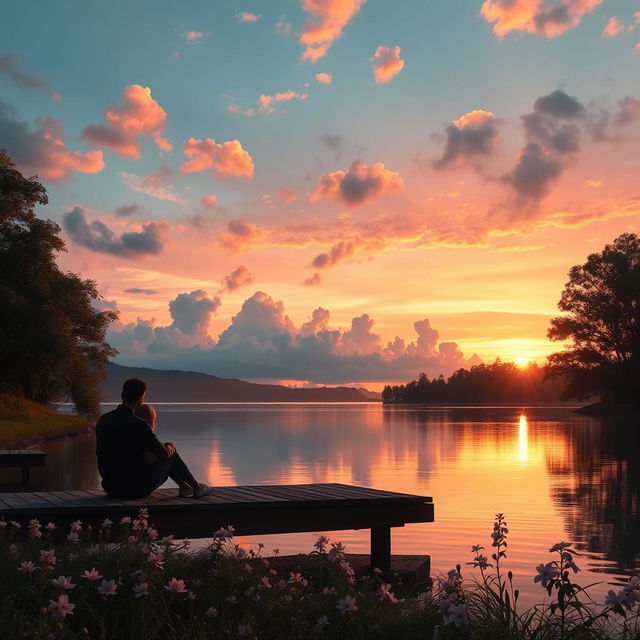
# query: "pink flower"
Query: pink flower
{"points": [[61, 608], [76, 526], [63, 582], [107, 588], [176, 586], [125, 520], [73, 537], [297, 578], [106, 523], [337, 551], [265, 582], [48, 557], [385, 594], [50, 526], [211, 612], [190, 595], [92, 575], [141, 589], [346, 605], [157, 559], [27, 567]]}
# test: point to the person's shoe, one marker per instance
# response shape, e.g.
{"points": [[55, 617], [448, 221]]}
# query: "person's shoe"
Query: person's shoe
{"points": [[202, 490], [185, 492]]}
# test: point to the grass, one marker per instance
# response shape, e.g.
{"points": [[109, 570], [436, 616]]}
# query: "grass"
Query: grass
{"points": [[23, 422]]}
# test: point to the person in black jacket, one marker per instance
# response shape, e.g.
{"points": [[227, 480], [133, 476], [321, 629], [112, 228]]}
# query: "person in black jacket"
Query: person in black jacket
{"points": [[131, 460]]}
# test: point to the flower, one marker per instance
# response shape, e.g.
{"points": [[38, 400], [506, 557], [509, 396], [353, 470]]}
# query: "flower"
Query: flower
{"points": [[321, 543], [297, 578], [50, 526], [476, 548], [157, 559], [93, 550], [48, 557], [337, 551], [265, 582], [108, 588], [63, 582], [560, 546], [385, 594], [546, 573], [346, 605], [211, 612], [73, 537], [176, 586], [76, 525], [223, 532], [322, 622], [92, 575], [141, 589], [106, 523], [27, 567], [190, 595], [61, 608], [73, 557], [456, 614], [569, 563]]}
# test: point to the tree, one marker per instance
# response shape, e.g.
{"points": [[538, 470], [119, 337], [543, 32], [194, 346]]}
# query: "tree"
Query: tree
{"points": [[52, 339], [601, 301]]}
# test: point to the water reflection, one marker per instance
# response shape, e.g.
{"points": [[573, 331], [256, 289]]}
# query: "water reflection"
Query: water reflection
{"points": [[555, 474]]}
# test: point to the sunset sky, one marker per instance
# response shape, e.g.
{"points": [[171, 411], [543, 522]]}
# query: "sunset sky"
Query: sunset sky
{"points": [[327, 191]]}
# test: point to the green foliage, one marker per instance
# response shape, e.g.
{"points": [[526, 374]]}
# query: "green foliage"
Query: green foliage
{"points": [[601, 301], [52, 339], [495, 382]]}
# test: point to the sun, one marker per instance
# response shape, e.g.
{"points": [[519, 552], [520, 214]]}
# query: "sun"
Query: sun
{"points": [[522, 361]]}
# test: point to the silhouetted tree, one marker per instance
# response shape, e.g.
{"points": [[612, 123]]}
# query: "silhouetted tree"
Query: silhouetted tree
{"points": [[52, 339], [602, 303]]}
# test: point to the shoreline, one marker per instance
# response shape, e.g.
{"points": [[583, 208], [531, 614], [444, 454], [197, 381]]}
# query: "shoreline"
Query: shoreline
{"points": [[35, 440]]}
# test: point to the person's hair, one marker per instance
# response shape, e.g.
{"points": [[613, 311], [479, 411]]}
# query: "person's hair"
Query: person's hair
{"points": [[148, 413], [133, 389]]}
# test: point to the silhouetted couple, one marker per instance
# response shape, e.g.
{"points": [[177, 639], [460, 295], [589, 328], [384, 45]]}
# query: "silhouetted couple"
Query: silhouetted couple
{"points": [[132, 461]]}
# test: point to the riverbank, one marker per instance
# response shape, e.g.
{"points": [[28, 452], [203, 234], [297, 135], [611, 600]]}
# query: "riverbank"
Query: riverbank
{"points": [[24, 423], [605, 409]]}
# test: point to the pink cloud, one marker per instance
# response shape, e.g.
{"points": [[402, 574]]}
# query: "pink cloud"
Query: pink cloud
{"points": [[139, 115], [267, 101], [227, 159], [157, 185], [241, 277], [312, 281], [613, 28], [209, 202], [194, 36], [234, 108], [338, 253], [239, 235], [357, 185], [386, 63], [536, 16], [245, 16], [288, 195], [327, 20], [42, 150], [324, 78]]}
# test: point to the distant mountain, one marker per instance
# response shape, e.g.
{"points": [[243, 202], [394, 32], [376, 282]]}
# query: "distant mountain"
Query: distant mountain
{"points": [[190, 386]]}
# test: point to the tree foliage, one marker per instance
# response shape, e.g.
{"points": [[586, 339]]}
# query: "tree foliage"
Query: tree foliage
{"points": [[601, 302], [52, 339], [494, 382]]}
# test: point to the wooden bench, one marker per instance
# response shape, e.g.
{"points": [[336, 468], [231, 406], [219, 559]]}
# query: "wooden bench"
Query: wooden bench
{"points": [[252, 510], [25, 458]]}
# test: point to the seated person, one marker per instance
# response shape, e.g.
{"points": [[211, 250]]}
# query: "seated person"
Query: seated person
{"points": [[131, 460]]}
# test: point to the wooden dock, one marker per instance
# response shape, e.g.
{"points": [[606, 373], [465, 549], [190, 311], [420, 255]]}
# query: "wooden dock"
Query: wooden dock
{"points": [[252, 510], [23, 458]]}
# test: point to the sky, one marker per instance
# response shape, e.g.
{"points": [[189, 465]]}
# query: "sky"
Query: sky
{"points": [[327, 191]]}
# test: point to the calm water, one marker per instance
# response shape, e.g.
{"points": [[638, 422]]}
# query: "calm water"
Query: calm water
{"points": [[556, 475]]}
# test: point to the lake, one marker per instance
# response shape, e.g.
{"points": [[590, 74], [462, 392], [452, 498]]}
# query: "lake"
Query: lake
{"points": [[556, 475]]}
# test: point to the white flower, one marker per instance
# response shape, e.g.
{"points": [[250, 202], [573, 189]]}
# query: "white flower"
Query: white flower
{"points": [[622, 598], [346, 605], [456, 614], [63, 582], [322, 622], [106, 523]]}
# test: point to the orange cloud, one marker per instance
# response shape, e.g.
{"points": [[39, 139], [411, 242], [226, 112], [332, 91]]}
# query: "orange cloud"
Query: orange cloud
{"points": [[241, 277], [536, 16], [312, 281], [228, 158], [245, 16], [386, 63], [339, 252], [324, 78], [43, 150], [157, 185], [234, 108], [288, 195], [266, 101], [209, 202], [359, 184], [194, 36], [327, 20], [139, 115]]}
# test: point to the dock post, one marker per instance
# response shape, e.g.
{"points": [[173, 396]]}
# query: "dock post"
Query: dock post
{"points": [[25, 474], [381, 548]]}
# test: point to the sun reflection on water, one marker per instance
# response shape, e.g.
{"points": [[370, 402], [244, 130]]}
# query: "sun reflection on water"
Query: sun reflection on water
{"points": [[523, 439]]}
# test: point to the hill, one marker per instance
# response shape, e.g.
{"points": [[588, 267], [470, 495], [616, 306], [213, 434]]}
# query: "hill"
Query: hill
{"points": [[190, 386]]}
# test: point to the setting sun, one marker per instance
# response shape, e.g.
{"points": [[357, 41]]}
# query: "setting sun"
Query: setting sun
{"points": [[522, 361]]}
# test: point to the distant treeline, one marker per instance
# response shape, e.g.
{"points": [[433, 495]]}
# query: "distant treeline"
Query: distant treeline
{"points": [[496, 382]]}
